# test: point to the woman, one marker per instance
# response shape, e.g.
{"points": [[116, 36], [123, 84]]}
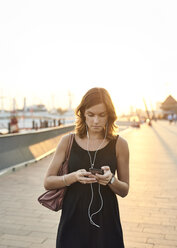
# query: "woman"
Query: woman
{"points": [[90, 213]]}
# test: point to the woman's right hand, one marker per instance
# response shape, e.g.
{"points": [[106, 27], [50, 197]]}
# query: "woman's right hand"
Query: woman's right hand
{"points": [[84, 177]]}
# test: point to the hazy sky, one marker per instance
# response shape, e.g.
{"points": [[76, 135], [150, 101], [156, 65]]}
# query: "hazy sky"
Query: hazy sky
{"points": [[48, 48]]}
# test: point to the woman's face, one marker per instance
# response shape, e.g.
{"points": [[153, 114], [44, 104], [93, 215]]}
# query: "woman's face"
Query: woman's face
{"points": [[96, 117]]}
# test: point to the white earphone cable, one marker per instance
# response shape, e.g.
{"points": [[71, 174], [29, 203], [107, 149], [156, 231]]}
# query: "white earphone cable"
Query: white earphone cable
{"points": [[91, 215], [99, 190]]}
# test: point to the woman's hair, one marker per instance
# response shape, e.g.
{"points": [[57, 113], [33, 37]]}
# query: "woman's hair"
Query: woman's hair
{"points": [[93, 97]]}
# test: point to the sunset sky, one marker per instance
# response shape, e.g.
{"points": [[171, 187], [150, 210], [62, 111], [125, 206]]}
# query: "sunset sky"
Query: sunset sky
{"points": [[48, 48]]}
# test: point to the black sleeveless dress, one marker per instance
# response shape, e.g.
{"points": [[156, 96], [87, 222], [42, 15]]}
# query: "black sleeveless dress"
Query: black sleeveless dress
{"points": [[75, 229]]}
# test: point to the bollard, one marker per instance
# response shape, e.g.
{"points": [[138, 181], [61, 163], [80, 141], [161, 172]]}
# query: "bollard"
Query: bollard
{"points": [[36, 126], [33, 124], [54, 123], [9, 129], [59, 122]]}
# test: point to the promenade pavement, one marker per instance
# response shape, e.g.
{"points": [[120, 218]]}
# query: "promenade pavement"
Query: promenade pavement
{"points": [[148, 213]]}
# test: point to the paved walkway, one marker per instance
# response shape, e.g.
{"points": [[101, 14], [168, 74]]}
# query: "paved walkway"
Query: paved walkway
{"points": [[148, 213]]}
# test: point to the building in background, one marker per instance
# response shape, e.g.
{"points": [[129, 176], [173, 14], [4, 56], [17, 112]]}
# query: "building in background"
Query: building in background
{"points": [[169, 106]]}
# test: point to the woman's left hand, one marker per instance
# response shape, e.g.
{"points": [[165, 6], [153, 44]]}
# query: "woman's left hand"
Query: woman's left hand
{"points": [[104, 179]]}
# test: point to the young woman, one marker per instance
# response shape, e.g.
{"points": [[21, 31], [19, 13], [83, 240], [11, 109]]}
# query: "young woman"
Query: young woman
{"points": [[90, 214]]}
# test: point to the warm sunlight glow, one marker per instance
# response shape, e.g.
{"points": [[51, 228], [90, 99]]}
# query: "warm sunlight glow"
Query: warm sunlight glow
{"points": [[46, 54]]}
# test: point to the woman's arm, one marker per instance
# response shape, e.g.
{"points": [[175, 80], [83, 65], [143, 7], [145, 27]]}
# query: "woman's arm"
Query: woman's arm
{"points": [[120, 185], [52, 181]]}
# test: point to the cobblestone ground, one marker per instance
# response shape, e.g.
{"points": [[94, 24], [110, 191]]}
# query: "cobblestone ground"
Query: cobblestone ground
{"points": [[148, 213]]}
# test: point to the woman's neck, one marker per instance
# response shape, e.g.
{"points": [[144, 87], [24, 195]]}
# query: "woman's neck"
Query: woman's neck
{"points": [[95, 136]]}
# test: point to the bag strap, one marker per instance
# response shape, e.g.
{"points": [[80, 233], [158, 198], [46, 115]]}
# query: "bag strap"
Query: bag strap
{"points": [[70, 142]]}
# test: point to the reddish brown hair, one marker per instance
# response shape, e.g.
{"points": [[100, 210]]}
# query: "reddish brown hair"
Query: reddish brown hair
{"points": [[93, 97]]}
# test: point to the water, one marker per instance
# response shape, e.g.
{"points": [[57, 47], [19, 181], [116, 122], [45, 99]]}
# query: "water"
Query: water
{"points": [[25, 120]]}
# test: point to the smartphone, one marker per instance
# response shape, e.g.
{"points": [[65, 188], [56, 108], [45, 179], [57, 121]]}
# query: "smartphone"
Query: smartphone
{"points": [[95, 170]]}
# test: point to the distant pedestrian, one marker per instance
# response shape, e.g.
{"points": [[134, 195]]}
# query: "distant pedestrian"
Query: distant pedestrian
{"points": [[175, 118], [170, 118], [14, 124], [90, 214]]}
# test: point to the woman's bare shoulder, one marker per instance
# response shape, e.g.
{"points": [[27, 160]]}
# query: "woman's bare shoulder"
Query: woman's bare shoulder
{"points": [[77, 137], [65, 137], [122, 140], [121, 145], [64, 140]]}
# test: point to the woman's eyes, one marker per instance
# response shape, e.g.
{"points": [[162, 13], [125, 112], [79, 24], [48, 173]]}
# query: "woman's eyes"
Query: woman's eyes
{"points": [[101, 115]]}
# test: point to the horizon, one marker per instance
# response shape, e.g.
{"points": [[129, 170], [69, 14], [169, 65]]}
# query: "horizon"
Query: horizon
{"points": [[52, 105], [70, 107]]}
